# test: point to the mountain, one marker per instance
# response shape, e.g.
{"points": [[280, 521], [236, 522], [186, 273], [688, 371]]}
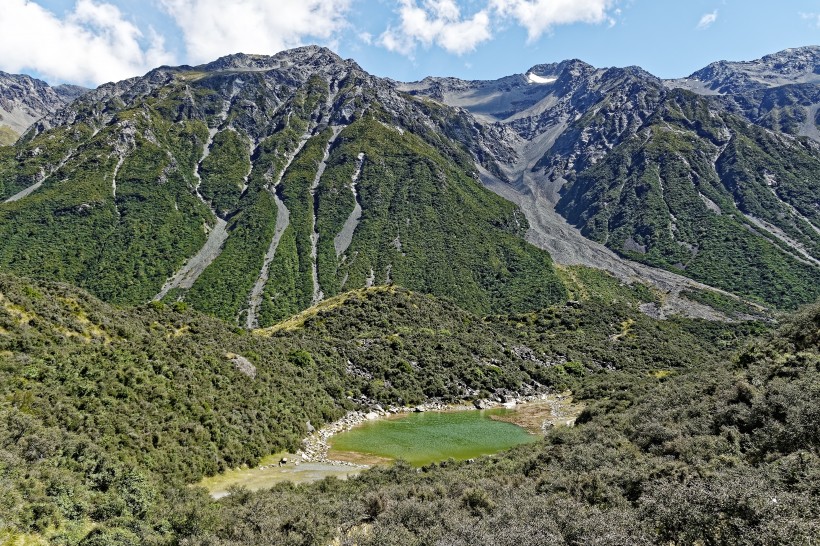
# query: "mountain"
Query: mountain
{"points": [[24, 100], [780, 91], [716, 185], [253, 187], [796, 66]]}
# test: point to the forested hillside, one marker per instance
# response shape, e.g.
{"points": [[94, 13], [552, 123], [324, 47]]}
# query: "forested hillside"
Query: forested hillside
{"points": [[723, 450], [202, 266], [711, 177], [729, 204], [107, 414], [254, 187]]}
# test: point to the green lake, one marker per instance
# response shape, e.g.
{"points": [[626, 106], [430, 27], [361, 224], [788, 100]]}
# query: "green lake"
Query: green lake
{"points": [[423, 438]]}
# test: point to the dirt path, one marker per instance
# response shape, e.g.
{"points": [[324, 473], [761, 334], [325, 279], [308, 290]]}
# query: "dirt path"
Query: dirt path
{"points": [[342, 241]]}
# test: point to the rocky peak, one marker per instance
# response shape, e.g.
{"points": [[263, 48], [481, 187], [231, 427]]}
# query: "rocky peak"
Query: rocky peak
{"points": [[794, 60], [69, 92], [237, 78], [790, 66], [24, 100], [309, 58]]}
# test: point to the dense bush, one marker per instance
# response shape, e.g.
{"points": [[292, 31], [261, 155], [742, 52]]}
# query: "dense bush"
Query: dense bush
{"points": [[106, 414], [711, 454]]}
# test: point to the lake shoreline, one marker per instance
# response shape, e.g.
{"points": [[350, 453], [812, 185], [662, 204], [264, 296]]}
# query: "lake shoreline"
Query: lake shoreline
{"points": [[535, 414], [316, 447]]}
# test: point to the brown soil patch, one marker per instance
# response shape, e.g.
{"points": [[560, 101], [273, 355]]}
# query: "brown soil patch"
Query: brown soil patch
{"points": [[540, 415], [357, 458]]}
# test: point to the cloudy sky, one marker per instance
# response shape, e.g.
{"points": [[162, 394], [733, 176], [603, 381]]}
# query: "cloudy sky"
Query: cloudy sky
{"points": [[90, 42]]}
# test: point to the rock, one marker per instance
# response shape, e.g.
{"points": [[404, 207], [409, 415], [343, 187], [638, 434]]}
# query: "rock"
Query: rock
{"points": [[546, 425], [242, 364], [419, 409], [310, 428], [481, 404], [372, 416]]}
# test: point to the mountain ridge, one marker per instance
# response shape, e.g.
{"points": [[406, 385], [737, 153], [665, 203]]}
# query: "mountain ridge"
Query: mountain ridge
{"points": [[245, 169], [571, 118], [24, 100]]}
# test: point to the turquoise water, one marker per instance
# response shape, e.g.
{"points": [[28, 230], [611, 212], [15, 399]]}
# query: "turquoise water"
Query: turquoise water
{"points": [[423, 438]]}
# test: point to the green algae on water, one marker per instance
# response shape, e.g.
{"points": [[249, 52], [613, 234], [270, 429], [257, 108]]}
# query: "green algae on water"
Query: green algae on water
{"points": [[423, 438]]}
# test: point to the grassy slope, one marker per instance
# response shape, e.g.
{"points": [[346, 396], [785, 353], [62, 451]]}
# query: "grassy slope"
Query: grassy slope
{"points": [[8, 136]]}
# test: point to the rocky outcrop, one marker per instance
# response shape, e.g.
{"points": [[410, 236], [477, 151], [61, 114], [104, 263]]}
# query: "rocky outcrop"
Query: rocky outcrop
{"points": [[243, 365]]}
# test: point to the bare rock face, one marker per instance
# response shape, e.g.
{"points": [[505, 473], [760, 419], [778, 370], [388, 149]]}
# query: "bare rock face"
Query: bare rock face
{"points": [[243, 365], [24, 100], [538, 110]]}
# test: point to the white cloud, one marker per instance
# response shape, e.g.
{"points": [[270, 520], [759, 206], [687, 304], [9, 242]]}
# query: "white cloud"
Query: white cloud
{"points": [[707, 20], [213, 28], [812, 18], [440, 22], [436, 22], [539, 16], [91, 45]]}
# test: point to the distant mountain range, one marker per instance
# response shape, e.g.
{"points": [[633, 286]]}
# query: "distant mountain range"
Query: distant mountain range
{"points": [[253, 187], [24, 100]]}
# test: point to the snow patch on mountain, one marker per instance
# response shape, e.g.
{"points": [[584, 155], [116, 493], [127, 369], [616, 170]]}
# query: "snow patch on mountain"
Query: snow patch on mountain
{"points": [[535, 78]]}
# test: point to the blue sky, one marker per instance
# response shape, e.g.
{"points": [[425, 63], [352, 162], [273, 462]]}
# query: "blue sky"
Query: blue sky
{"points": [[93, 41]]}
